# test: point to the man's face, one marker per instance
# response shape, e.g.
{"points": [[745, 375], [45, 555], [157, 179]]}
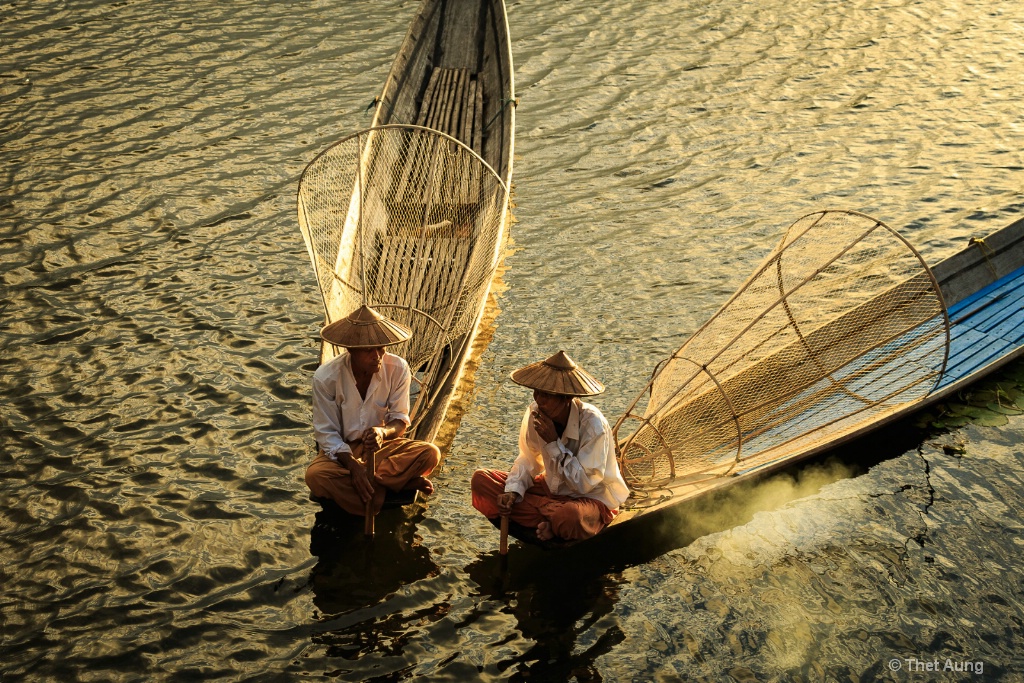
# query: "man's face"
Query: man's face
{"points": [[366, 360], [552, 405]]}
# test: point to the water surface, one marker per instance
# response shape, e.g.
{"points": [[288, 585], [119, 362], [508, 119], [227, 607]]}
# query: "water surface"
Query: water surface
{"points": [[159, 320]]}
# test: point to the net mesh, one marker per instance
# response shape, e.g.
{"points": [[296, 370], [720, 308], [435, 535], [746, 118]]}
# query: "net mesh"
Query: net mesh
{"points": [[841, 324], [411, 222]]}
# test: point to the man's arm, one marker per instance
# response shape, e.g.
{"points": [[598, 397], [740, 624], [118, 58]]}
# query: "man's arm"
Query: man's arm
{"points": [[585, 470], [327, 427], [526, 465], [399, 383], [374, 437]]}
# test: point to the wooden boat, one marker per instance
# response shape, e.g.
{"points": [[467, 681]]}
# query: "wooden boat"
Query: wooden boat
{"points": [[842, 330], [411, 215]]}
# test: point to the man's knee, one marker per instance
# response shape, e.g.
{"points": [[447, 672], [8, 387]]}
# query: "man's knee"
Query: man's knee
{"points": [[484, 491], [565, 517], [431, 457], [314, 477], [322, 474], [575, 522], [487, 481]]}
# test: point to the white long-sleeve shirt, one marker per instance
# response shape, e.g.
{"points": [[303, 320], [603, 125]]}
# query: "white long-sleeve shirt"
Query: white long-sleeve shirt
{"points": [[340, 414], [580, 463]]}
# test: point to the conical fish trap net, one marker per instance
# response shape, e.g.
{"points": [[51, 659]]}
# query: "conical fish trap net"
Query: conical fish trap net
{"points": [[841, 324], [411, 222]]}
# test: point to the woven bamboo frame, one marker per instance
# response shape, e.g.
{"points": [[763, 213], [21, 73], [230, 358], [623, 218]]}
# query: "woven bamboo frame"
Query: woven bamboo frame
{"points": [[774, 363], [416, 218]]}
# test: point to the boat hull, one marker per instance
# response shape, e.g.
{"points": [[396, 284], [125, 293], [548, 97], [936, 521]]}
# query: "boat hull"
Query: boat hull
{"points": [[450, 34], [453, 74]]}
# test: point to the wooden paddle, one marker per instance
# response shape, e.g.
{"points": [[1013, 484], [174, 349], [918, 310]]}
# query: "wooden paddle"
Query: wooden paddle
{"points": [[371, 470], [503, 543]]}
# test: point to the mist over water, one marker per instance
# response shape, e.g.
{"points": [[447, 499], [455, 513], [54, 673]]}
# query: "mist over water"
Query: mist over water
{"points": [[158, 320]]}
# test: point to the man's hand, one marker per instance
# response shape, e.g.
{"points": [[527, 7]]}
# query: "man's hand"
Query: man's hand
{"points": [[505, 502], [360, 480], [373, 439], [544, 427]]}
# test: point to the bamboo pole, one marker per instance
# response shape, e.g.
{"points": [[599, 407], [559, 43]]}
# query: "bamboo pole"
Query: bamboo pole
{"points": [[503, 542], [438, 103], [371, 470], [478, 117], [455, 104], [428, 97]]}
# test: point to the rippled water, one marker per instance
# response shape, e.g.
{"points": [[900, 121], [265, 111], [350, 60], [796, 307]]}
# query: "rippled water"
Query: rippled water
{"points": [[158, 320]]}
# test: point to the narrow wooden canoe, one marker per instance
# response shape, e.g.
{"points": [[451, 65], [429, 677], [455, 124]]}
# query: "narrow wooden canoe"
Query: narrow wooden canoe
{"points": [[842, 330], [456, 44], [980, 329], [411, 215]]}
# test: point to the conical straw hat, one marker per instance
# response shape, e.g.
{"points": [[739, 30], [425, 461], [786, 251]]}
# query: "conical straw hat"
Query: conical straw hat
{"points": [[558, 375], [364, 328]]}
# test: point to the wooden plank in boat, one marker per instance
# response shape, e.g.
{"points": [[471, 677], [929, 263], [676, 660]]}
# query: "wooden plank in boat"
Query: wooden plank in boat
{"points": [[478, 117], [964, 344], [995, 317], [996, 325], [428, 97], [395, 266], [1005, 327], [437, 101], [445, 108], [468, 100], [453, 110], [409, 175], [983, 316], [447, 265], [986, 303], [402, 257]]}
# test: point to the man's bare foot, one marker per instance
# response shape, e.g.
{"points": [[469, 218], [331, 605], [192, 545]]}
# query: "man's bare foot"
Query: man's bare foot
{"points": [[421, 484], [544, 532]]}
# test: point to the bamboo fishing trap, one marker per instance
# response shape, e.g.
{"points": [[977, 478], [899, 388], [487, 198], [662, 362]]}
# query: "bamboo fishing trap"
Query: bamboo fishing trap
{"points": [[843, 323], [410, 221]]}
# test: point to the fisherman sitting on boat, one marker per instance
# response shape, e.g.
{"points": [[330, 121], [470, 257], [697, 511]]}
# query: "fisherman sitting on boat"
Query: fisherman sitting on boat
{"points": [[361, 406], [566, 481]]}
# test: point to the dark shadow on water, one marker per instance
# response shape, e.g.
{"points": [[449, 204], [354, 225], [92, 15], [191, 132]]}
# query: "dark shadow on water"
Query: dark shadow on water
{"points": [[556, 598], [356, 575], [355, 571]]}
